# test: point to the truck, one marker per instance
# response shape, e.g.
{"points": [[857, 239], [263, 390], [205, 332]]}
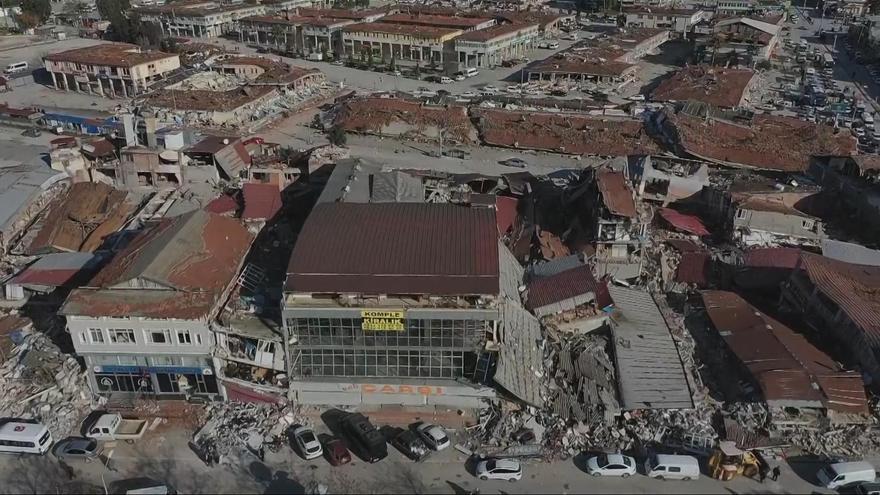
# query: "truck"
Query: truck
{"points": [[109, 427]]}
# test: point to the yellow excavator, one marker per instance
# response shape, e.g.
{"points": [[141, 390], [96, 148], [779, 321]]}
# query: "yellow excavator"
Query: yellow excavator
{"points": [[728, 462]]}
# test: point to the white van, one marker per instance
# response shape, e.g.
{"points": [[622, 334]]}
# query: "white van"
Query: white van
{"points": [[446, 80], [840, 474], [470, 72], [672, 467], [16, 68], [24, 438]]}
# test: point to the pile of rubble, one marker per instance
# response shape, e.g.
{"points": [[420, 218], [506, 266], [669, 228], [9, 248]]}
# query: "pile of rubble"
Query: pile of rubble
{"points": [[213, 81], [235, 428], [41, 382]]}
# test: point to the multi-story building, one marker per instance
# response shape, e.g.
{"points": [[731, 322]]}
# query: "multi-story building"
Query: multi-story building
{"points": [[404, 42], [392, 303], [297, 34], [142, 324], [679, 21], [465, 24], [734, 7], [207, 20], [113, 69], [489, 47], [646, 3]]}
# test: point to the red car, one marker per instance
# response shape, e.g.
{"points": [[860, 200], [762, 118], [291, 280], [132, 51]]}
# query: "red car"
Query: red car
{"points": [[336, 452]]}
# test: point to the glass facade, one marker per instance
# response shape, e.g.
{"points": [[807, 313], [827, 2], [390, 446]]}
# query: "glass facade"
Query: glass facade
{"points": [[159, 375], [426, 348]]}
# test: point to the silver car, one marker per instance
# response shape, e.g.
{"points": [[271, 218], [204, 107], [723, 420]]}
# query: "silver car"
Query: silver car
{"points": [[73, 449]]}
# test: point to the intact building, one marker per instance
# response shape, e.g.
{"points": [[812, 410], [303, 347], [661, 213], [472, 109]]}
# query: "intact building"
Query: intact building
{"points": [[490, 47], [112, 69], [392, 303], [142, 325], [208, 20]]}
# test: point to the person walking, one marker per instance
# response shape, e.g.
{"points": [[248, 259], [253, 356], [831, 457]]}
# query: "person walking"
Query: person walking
{"points": [[776, 473]]}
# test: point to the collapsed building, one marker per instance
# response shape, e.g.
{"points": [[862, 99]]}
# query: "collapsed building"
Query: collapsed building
{"points": [[787, 369], [763, 141], [405, 118], [24, 191], [716, 86]]}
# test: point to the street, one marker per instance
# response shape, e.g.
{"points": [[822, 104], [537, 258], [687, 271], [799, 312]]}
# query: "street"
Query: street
{"points": [[165, 456]]}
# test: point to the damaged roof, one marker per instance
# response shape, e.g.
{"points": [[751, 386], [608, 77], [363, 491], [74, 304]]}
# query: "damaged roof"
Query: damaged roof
{"points": [[854, 288], [261, 201], [206, 100], [716, 86], [772, 257], [109, 55], [649, 368], [415, 31], [564, 133], [442, 21], [789, 369], [82, 219], [565, 290], [771, 142], [616, 194], [494, 32], [683, 222], [373, 115], [198, 251], [56, 270], [21, 185], [396, 248], [229, 153]]}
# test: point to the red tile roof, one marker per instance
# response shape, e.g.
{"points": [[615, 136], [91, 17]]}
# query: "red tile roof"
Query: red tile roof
{"points": [[396, 248], [566, 285], [785, 365], [686, 223], [110, 55], [693, 268], [505, 212], [616, 194], [261, 201], [713, 85], [222, 204]]}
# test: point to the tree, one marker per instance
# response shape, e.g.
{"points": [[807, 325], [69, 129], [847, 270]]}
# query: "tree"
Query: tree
{"points": [[168, 45], [392, 65], [28, 20], [112, 9], [42, 9], [336, 136], [277, 34], [418, 70], [76, 7]]}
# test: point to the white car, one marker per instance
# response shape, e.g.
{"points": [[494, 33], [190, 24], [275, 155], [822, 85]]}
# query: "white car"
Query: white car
{"points": [[435, 436], [307, 442], [469, 94], [499, 469], [491, 89], [620, 465], [636, 98], [460, 77]]}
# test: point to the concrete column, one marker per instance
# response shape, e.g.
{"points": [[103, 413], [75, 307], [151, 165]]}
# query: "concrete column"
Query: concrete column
{"points": [[66, 84], [134, 87], [124, 89], [100, 88], [54, 81], [112, 88]]}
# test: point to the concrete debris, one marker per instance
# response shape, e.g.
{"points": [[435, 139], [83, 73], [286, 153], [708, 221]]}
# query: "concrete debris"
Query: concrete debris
{"points": [[40, 382], [234, 429]]}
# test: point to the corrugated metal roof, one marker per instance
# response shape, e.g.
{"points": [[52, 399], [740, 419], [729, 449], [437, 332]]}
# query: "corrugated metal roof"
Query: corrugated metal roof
{"points": [[19, 186], [396, 248], [693, 268], [686, 223], [55, 270], [649, 369], [141, 303], [565, 285], [616, 194], [773, 257], [854, 288], [396, 187], [261, 201], [195, 251], [506, 213], [685, 246], [786, 366], [222, 204], [850, 253], [82, 220], [555, 266]]}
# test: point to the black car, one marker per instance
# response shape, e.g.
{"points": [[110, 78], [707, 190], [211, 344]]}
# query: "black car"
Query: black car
{"points": [[410, 445], [365, 438]]}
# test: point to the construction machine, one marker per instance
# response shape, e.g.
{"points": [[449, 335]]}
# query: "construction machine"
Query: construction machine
{"points": [[727, 462]]}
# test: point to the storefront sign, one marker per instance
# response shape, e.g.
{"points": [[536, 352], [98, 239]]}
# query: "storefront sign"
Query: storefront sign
{"points": [[368, 388], [139, 370], [382, 321]]}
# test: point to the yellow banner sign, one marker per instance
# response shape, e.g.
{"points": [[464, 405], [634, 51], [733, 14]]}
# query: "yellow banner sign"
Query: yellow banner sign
{"points": [[382, 321]]}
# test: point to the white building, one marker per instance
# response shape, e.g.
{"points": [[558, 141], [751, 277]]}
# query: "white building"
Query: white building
{"points": [[680, 21], [203, 21], [112, 69], [404, 42], [489, 47]]}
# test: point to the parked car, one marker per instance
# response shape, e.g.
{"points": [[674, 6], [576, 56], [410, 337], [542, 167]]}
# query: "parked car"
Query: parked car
{"points": [[108, 427], [78, 449], [459, 76], [869, 488], [307, 442], [469, 94], [672, 467], [499, 469], [620, 465], [840, 474], [410, 445], [337, 62], [369, 442], [637, 98], [434, 435], [32, 132], [336, 452], [514, 162]]}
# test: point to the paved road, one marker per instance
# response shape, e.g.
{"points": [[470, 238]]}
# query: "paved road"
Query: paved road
{"points": [[165, 456]]}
